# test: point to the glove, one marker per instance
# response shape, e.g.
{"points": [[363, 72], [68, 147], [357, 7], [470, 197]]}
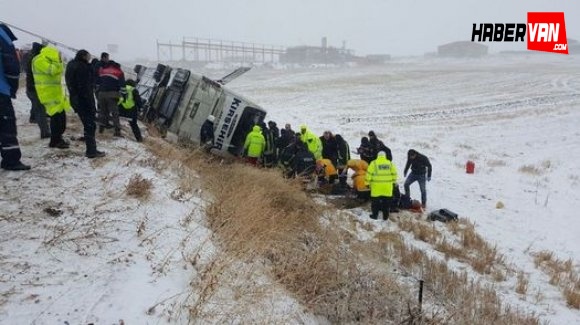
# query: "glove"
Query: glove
{"points": [[428, 178]]}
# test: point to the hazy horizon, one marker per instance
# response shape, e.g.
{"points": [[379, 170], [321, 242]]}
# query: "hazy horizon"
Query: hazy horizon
{"points": [[369, 26]]}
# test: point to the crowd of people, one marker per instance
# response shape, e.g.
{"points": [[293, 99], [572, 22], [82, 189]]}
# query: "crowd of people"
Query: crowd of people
{"points": [[301, 154], [85, 80], [327, 159]]}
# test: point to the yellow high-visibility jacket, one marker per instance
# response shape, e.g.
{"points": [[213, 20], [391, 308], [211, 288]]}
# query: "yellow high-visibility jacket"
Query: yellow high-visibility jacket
{"points": [[381, 176], [255, 142], [48, 69]]}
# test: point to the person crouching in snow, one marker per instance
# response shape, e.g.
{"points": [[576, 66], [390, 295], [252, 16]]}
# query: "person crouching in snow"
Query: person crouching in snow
{"points": [[254, 145], [326, 172], [130, 104], [206, 136], [359, 167], [381, 177]]}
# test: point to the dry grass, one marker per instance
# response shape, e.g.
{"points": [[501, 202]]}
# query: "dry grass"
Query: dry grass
{"points": [[531, 170], [495, 163], [139, 187], [562, 274], [464, 301], [471, 248], [572, 296], [258, 217], [522, 283]]}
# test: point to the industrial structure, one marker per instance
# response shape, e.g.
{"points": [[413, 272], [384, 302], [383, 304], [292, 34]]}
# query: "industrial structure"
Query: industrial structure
{"points": [[462, 49], [211, 50]]}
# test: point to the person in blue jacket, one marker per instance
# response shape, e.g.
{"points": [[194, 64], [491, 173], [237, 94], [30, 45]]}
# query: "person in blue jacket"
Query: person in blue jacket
{"points": [[9, 76]]}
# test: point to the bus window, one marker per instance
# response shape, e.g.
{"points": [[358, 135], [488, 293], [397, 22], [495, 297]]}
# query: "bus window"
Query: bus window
{"points": [[250, 117]]}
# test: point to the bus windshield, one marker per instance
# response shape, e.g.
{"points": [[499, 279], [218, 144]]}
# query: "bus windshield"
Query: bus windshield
{"points": [[250, 117]]}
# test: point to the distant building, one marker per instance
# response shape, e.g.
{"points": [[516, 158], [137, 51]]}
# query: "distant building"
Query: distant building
{"points": [[316, 55], [377, 58], [573, 46], [462, 49], [323, 54]]}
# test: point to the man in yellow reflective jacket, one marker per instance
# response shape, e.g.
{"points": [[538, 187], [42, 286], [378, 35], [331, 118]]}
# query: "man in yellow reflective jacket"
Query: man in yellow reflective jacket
{"points": [[254, 145], [311, 141], [48, 68], [381, 177]]}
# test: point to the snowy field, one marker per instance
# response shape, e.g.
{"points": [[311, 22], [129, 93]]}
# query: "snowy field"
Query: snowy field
{"points": [[517, 118]]}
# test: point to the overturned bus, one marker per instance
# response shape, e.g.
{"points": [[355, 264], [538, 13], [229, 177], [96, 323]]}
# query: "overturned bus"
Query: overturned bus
{"points": [[179, 101]]}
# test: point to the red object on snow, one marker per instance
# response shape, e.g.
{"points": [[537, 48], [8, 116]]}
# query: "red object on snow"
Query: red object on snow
{"points": [[470, 167]]}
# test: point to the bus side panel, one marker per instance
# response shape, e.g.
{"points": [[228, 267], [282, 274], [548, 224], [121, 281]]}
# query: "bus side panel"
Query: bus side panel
{"points": [[185, 106], [200, 106]]}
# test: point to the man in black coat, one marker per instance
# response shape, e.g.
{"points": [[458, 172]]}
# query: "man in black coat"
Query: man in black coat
{"points": [[38, 113], [420, 165], [304, 162], [79, 81], [287, 136], [9, 76], [343, 158], [206, 136], [329, 147], [366, 151], [378, 146]]}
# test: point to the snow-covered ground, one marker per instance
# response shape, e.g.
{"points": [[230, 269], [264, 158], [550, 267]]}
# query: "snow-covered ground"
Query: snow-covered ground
{"points": [[503, 113], [74, 247]]}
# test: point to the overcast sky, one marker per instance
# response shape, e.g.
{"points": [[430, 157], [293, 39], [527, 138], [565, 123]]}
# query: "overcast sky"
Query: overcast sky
{"points": [[404, 27]]}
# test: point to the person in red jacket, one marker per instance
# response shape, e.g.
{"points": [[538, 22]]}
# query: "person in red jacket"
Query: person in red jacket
{"points": [[110, 81]]}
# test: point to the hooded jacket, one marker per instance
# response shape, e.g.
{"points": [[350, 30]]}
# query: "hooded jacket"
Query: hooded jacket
{"points": [[255, 143], [360, 172], [9, 64], [381, 175], [47, 68], [311, 141], [79, 81]]}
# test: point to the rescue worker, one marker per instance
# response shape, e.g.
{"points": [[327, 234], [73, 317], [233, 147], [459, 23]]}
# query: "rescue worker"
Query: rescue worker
{"points": [[130, 105], [80, 83], [48, 69], [9, 76], [110, 80], [378, 145], [304, 162], [359, 184], [287, 136], [329, 147], [420, 171], [343, 158], [311, 141], [206, 136], [381, 177], [325, 171], [270, 148], [38, 112], [254, 145], [286, 159], [365, 150]]}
